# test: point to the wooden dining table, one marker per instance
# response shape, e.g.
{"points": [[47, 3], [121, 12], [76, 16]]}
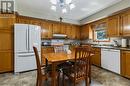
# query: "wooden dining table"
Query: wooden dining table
{"points": [[55, 59]]}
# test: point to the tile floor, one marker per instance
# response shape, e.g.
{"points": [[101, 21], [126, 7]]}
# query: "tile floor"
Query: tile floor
{"points": [[100, 77]]}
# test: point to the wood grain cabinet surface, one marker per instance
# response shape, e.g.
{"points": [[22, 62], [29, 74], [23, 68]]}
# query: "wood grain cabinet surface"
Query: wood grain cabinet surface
{"points": [[125, 23], [85, 31], [96, 58], [119, 25], [125, 64], [6, 42], [113, 26]]}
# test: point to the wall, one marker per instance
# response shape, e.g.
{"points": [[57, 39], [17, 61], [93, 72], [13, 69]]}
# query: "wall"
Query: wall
{"points": [[107, 11]]}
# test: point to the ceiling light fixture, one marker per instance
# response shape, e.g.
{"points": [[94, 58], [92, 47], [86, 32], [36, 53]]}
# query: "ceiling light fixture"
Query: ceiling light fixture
{"points": [[63, 5]]}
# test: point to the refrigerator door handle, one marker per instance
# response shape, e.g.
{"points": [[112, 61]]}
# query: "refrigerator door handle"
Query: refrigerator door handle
{"points": [[26, 40], [26, 55]]}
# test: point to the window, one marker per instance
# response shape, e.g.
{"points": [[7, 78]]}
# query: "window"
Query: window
{"points": [[100, 33]]}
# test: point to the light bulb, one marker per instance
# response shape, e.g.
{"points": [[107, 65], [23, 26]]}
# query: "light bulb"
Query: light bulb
{"points": [[64, 10], [72, 6], [68, 1], [53, 8], [53, 1]]}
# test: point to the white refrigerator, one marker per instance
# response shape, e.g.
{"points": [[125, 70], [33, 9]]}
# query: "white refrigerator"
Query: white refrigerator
{"points": [[25, 37]]}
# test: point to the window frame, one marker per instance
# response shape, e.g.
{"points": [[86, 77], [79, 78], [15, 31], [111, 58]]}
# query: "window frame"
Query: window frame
{"points": [[99, 27]]}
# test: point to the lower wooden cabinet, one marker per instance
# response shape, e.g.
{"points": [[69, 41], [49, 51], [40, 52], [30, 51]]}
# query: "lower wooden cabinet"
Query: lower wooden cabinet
{"points": [[96, 58], [125, 64], [6, 61]]}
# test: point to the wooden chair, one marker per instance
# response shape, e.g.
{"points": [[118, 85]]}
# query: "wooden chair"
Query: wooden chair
{"points": [[92, 50], [81, 68], [42, 70], [40, 75]]}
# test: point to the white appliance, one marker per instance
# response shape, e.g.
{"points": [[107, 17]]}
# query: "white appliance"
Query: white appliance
{"points": [[25, 37], [110, 60], [124, 43]]}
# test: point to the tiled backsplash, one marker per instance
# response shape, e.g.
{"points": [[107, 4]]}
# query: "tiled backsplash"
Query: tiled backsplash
{"points": [[118, 39], [66, 41]]}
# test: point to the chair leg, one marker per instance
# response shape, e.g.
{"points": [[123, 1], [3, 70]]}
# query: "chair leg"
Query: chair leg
{"points": [[40, 82], [87, 81], [58, 78], [37, 82], [74, 83], [63, 80]]}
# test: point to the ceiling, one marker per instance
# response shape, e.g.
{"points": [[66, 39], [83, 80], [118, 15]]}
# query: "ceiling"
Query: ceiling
{"points": [[84, 8]]}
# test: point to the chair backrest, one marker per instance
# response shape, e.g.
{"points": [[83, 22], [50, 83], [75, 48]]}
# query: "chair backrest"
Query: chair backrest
{"points": [[82, 62], [91, 49], [37, 60]]}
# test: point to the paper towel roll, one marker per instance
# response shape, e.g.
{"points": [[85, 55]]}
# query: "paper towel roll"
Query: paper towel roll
{"points": [[124, 43]]}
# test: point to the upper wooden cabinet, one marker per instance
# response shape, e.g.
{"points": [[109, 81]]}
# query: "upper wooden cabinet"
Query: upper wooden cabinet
{"points": [[113, 26], [125, 23], [6, 42], [125, 64], [119, 25], [50, 27], [46, 29], [84, 31]]}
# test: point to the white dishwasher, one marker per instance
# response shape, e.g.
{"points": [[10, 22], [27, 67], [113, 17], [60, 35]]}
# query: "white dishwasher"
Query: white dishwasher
{"points": [[110, 60]]}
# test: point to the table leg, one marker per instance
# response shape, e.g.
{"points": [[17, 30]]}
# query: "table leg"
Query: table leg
{"points": [[53, 74]]}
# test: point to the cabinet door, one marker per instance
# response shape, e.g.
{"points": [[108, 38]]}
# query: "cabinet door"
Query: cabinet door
{"points": [[126, 24], [113, 26], [6, 61], [96, 58], [73, 32], [77, 32], [56, 28], [46, 30], [85, 32], [6, 41], [63, 29], [68, 31], [125, 64]]}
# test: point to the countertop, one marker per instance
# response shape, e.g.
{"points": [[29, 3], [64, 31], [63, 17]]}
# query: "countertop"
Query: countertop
{"points": [[101, 46], [111, 47]]}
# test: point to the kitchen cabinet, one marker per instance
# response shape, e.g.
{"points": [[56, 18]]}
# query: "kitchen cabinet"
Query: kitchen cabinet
{"points": [[46, 30], [125, 64], [96, 58], [56, 28], [63, 28], [68, 31], [118, 25], [6, 61], [85, 31], [73, 32], [6, 42], [50, 27], [77, 32], [125, 23], [113, 26]]}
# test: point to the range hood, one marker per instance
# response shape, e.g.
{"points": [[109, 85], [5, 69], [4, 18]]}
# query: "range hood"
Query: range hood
{"points": [[59, 35]]}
